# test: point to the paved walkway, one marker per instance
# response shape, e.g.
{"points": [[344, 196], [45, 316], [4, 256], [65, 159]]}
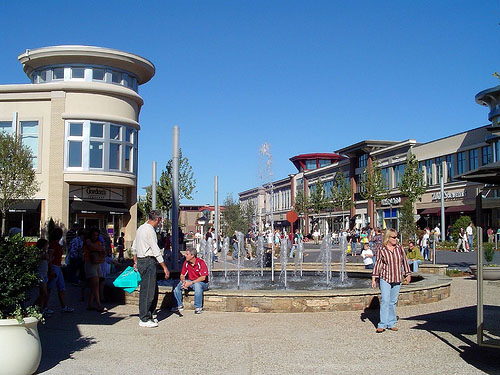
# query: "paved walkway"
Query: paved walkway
{"points": [[437, 338]]}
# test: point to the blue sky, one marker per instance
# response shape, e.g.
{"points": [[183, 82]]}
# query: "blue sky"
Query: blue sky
{"points": [[304, 76]]}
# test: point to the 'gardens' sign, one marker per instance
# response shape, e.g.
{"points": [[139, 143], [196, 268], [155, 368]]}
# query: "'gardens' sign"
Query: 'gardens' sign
{"points": [[449, 195], [96, 193]]}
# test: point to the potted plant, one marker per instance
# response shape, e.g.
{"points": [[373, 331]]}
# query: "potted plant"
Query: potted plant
{"points": [[490, 271], [20, 348]]}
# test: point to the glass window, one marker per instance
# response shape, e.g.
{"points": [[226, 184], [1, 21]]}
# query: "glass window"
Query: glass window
{"points": [[129, 135], [29, 137], [362, 161], [428, 171], [399, 171], [75, 129], [310, 164], [386, 175], [42, 76], [77, 72], [127, 80], [114, 156], [497, 151], [57, 73], [128, 158], [114, 132], [450, 168], [95, 155], [487, 155], [6, 127], [75, 154], [324, 163], [98, 74], [439, 168], [473, 159], [116, 77], [96, 130], [461, 162]]}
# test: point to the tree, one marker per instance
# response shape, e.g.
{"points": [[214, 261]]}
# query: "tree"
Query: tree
{"points": [[301, 202], [318, 200], [17, 176], [187, 185], [372, 186], [234, 217], [413, 187], [412, 183], [407, 223], [249, 212], [341, 193]]}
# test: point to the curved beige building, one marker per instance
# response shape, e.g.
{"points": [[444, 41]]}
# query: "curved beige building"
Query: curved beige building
{"points": [[80, 116]]}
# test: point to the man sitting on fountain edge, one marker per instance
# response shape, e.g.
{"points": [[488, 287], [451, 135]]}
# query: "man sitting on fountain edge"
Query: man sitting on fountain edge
{"points": [[197, 280]]}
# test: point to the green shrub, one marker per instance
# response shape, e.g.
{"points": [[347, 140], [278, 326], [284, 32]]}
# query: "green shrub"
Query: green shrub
{"points": [[462, 222], [489, 252], [18, 274]]}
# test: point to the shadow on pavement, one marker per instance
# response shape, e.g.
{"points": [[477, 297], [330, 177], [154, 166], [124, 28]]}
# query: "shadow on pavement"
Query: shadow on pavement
{"points": [[461, 323], [372, 312], [60, 336]]}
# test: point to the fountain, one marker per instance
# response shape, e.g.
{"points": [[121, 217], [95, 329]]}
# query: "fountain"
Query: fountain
{"points": [[283, 260], [260, 253], [225, 251]]}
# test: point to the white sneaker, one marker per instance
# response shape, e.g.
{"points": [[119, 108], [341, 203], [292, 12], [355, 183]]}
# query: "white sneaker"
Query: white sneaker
{"points": [[198, 310], [177, 309], [155, 320], [148, 324]]}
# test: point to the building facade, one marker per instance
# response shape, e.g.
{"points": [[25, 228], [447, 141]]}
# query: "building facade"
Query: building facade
{"points": [[80, 116], [447, 158]]}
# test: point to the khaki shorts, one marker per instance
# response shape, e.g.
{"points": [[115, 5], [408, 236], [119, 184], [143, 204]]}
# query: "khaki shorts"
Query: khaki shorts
{"points": [[92, 270]]}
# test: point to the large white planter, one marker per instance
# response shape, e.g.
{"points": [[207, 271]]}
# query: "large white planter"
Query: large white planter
{"points": [[20, 348], [489, 273]]}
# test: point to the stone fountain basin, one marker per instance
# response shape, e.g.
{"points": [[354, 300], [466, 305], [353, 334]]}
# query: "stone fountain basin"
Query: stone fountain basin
{"points": [[431, 288]]}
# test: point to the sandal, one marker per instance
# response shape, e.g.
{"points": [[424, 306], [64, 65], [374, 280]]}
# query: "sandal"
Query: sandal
{"points": [[394, 329], [379, 330]]}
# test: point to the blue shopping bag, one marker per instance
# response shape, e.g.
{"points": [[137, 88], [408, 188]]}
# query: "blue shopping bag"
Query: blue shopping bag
{"points": [[128, 280]]}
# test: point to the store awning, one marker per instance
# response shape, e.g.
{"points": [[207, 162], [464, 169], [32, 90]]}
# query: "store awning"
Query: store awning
{"points": [[111, 208], [431, 211], [29, 205], [462, 208]]}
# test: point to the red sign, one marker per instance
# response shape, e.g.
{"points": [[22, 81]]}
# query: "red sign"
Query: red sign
{"points": [[292, 216]]}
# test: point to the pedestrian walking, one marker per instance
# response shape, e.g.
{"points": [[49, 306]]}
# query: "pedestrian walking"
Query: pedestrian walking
{"points": [[390, 268]]}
